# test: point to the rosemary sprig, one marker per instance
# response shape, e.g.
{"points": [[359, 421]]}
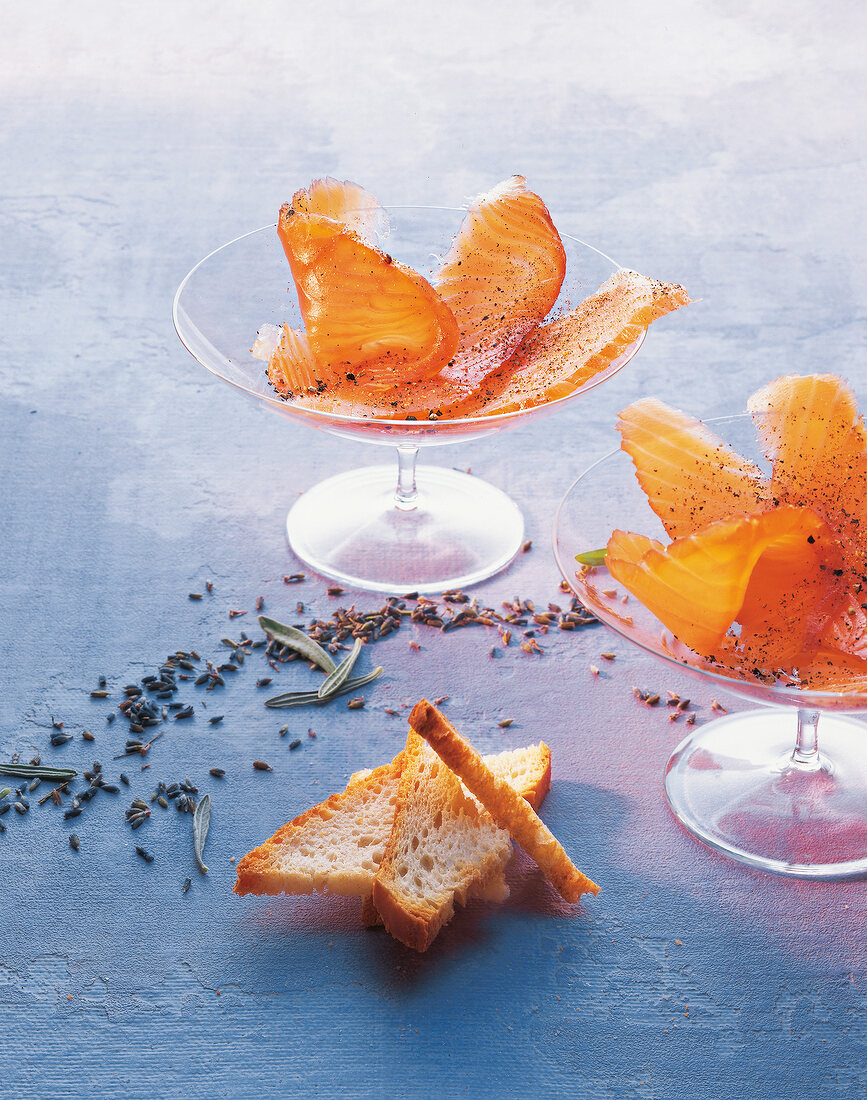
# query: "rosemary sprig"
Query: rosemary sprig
{"points": [[591, 557], [298, 641], [340, 675], [311, 698], [33, 771], [201, 822]]}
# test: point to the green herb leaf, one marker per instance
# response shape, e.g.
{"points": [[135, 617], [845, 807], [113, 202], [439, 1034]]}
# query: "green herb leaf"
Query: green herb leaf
{"points": [[298, 641], [341, 674], [591, 557], [201, 821], [32, 771], [311, 698]]}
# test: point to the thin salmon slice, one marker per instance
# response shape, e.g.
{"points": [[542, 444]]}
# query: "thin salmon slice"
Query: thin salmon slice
{"points": [[500, 278], [369, 320], [294, 372], [733, 571], [791, 594], [846, 629], [829, 669], [292, 366], [812, 433], [429, 401], [345, 202], [690, 475], [561, 356]]}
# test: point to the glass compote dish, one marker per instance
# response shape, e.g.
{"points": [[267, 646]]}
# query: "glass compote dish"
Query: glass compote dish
{"points": [[430, 530], [782, 787]]}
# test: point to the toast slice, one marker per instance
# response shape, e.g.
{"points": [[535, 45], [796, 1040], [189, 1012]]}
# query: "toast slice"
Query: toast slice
{"points": [[442, 845], [501, 801], [528, 770], [336, 847]]}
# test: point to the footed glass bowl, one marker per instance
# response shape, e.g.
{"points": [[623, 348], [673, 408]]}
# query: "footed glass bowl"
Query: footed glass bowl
{"points": [[376, 527], [784, 787]]}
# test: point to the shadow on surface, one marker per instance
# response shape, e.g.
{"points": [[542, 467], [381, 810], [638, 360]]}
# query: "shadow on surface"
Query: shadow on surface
{"points": [[290, 925]]}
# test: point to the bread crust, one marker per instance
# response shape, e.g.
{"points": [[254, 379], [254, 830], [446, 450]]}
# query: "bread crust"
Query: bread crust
{"points": [[370, 917], [412, 926], [536, 795], [502, 802]]}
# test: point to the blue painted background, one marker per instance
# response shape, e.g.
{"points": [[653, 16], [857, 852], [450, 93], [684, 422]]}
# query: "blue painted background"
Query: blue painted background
{"points": [[711, 144]]}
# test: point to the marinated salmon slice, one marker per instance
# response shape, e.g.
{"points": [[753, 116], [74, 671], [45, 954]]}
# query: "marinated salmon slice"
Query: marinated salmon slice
{"points": [[294, 372], [795, 586], [768, 573], [812, 433], [561, 356], [846, 629], [292, 366], [690, 475], [369, 320], [500, 278], [429, 400], [828, 669], [345, 202], [380, 341]]}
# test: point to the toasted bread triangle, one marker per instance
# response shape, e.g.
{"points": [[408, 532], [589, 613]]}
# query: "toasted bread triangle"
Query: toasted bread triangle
{"points": [[336, 846], [505, 806], [443, 844]]}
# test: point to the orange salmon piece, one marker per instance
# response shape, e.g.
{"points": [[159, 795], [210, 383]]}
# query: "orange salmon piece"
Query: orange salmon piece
{"points": [[500, 277], [345, 202], [812, 433], [369, 320], [846, 629], [701, 584], [430, 400], [790, 594], [691, 477], [292, 366], [828, 669], [560, 357]]}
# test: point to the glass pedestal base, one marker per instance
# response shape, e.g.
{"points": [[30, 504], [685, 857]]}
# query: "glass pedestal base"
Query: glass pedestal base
{"points": [[459, 530], [736, 785]]}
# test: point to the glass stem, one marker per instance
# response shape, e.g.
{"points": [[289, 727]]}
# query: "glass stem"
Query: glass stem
{"points": [[406, 494], [806, 752]]}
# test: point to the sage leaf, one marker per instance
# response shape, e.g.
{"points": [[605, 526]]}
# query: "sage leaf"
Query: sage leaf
{"points": [[201, 821], [341, 674], [591, 557], [298, 641], [311, 698]]}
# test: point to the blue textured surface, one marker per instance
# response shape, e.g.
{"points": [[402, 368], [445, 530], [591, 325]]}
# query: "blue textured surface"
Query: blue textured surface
{"points": [[706, 143]]}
